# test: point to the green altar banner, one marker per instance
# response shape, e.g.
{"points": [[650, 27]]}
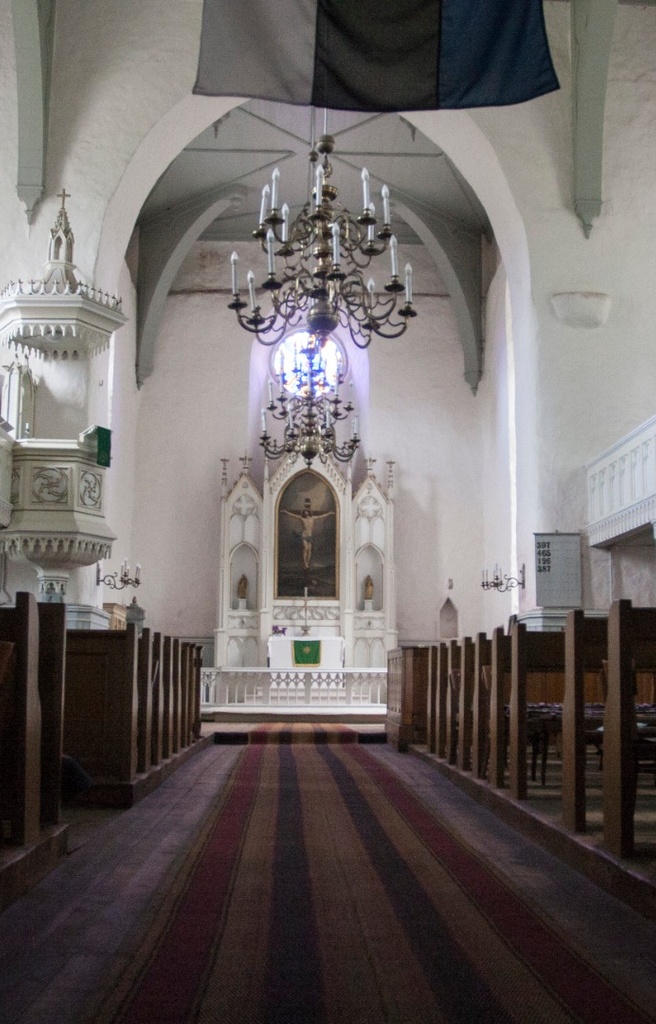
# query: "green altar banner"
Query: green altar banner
{"points": [[307, 652]]}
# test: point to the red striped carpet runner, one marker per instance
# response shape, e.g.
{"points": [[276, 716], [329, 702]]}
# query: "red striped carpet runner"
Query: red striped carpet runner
{"points": [[298, 732], [327, 892]]}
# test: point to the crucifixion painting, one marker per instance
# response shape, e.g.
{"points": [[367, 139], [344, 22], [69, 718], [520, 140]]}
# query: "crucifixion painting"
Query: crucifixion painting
{"points": [[307, 538]]}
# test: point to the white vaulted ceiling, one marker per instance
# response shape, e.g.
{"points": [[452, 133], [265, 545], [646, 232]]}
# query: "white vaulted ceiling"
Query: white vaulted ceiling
{"points": [[212, 190]]}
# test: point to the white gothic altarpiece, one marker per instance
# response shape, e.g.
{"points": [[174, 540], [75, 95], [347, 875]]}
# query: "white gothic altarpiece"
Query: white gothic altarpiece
{"points": [[306, 554]]}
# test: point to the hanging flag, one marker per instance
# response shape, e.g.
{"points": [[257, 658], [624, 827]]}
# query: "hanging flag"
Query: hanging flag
{"points": [[376, 55]]}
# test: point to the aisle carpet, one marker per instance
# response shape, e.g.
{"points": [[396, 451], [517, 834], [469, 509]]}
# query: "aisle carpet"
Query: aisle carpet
{"points": [[325, 891], [299, 732]]}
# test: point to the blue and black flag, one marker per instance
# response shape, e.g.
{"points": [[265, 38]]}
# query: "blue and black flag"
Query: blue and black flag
{"points": [[376, 55]]}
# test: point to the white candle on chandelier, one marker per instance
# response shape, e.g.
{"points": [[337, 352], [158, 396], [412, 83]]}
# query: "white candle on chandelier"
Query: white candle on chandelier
{"points": [[275, 179], [319, 185], [394, 256], [386, 206], [370, 228], [365, 188], [250, 277], [263, 204], [355, 426], [285, 222], [335, 232], [264, 421], [270, 257], [234, 259], [137, 573], [371, 288], [408, 283], [270, 391]]}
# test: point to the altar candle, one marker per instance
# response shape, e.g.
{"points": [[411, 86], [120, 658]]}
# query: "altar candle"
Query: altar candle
{"points": [[305, 593]]}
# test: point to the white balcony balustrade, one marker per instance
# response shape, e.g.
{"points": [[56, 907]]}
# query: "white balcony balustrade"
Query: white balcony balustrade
{"points": [[622, 486]]}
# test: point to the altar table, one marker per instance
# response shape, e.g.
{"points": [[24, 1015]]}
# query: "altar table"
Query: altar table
{"points": [[328, 657]]}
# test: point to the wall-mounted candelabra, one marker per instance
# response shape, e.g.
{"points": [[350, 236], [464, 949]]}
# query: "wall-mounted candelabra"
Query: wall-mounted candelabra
{"points": [[501, 583], [116, 582]]}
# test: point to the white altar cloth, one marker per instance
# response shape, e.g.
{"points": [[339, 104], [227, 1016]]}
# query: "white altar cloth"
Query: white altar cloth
{"points": [[281, 653]]}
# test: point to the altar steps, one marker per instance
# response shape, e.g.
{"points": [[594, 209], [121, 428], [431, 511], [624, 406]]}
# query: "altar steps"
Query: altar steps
{"points": [[370, 715], [298, 732]]}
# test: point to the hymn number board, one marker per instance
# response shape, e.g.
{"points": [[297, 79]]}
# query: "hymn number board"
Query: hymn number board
{"points": [[558, 570]]}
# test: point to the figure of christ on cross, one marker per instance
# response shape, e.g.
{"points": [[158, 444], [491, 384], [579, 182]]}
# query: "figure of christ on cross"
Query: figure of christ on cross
{"points": [[307, 519]]}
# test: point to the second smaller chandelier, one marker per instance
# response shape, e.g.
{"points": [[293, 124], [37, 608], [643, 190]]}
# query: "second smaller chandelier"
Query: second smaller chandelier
{"points": [[317, 265], [309, 406]]}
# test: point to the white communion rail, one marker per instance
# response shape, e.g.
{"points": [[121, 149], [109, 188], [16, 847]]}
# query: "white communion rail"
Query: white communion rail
{"points": [[251, 687]]}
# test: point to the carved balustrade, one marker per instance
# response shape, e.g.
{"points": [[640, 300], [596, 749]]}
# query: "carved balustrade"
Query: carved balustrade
{"points": [[244, 687]]}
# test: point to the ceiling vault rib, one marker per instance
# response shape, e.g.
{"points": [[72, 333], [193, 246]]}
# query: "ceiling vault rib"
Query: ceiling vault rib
{"points": [[592, 23], [33, 40]]}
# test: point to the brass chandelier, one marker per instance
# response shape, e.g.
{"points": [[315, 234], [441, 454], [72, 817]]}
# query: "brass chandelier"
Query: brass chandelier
{"points": [[316, 265], [310, 407]]}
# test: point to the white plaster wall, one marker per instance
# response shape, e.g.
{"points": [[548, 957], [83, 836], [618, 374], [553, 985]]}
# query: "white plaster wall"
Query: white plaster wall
{"points": [[495, 482], [194, 411], [423, 416]]}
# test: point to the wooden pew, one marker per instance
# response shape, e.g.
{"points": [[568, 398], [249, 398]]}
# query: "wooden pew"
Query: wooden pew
{"points": [[631, 647], [176, 695], [52, 664], [431, 701], [197, 661], [441, 696], [167, 697], [465, 702], [499, 697], [452, 701], [481, 706], [20, 755], [586, 646], [101, 702], [531, 652], [157, 696], [407, 679], [145, 708]]}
